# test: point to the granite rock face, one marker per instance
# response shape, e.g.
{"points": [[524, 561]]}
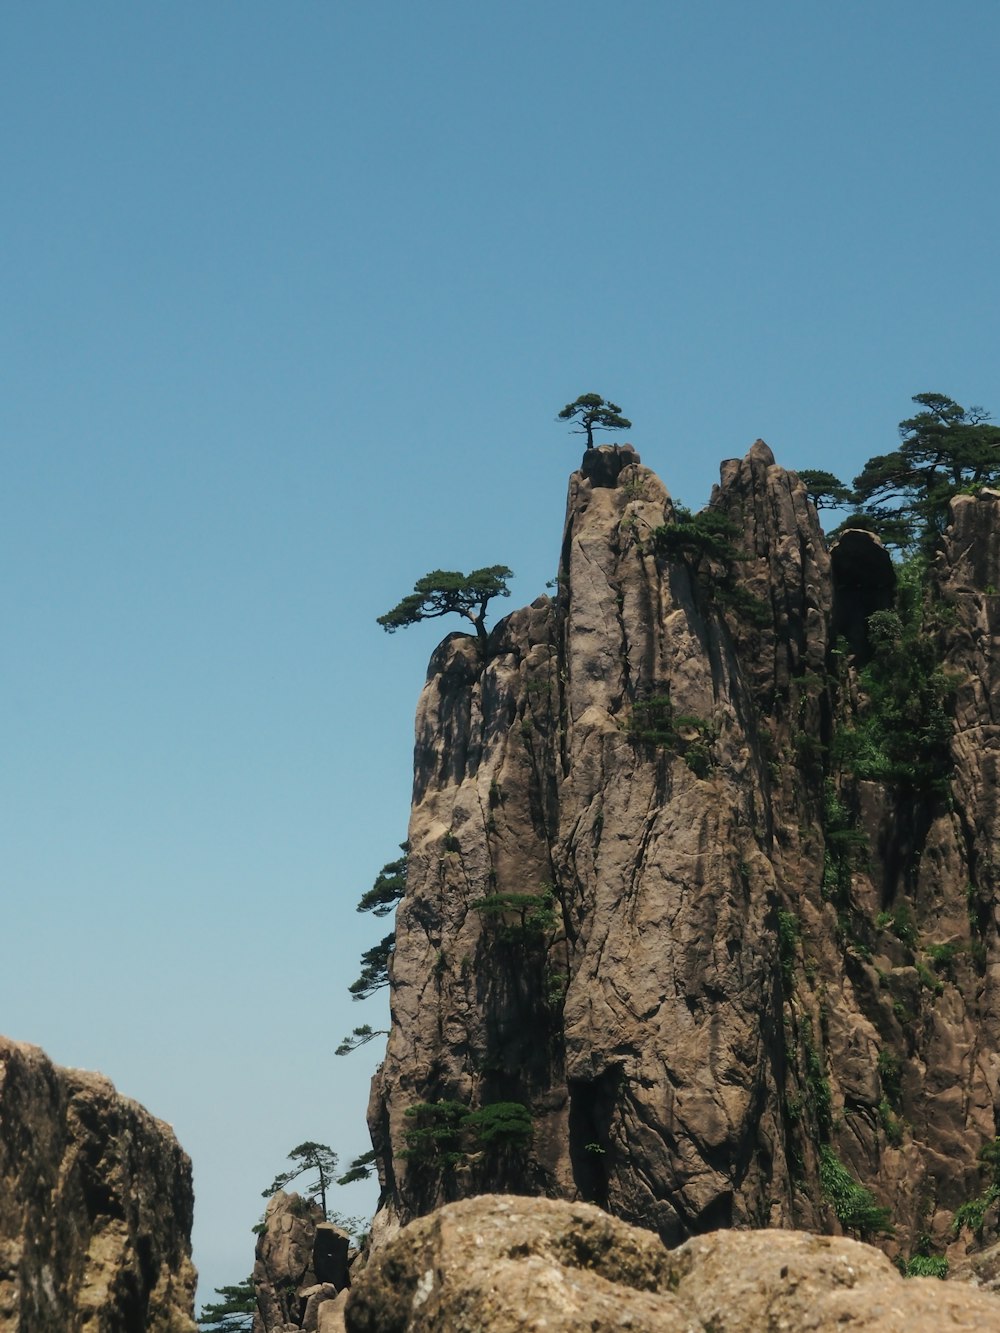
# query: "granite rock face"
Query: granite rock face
{"points": [[95, 1206], [646, 903], [508, 1264], [301, 1265]]}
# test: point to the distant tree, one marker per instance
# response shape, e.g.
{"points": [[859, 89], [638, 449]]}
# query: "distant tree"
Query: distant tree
{"points": [[389, 886], [380, 900], [360, 1169], [944, 449], [443, 592], [591, 412], [824, 489], [308, 1157], [374, 968], [360, 1036], [234, 1313]]}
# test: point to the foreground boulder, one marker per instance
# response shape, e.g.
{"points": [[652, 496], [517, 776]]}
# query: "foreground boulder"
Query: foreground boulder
{"points": [[505, 1263], [96, 1206]]}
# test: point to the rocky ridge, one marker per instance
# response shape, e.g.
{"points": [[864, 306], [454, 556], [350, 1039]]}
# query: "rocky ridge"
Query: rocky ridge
{"points": [[647, 902], [95, 1206]]}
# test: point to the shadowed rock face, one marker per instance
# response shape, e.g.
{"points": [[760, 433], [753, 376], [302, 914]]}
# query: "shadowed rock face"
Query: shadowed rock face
{"points": [[507, 1264], [95, 1206], [687, 1005]]}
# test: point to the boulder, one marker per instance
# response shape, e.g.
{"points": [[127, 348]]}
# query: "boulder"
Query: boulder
{"points": [[510, 1264]]}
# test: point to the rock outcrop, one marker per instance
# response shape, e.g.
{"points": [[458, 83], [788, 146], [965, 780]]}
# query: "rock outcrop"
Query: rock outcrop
{"points": [[508, 1264], [301, 1267], [95, 1206], [648, 901]]}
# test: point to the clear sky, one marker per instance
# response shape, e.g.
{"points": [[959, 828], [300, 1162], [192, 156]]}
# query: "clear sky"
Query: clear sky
{"points": [[292, 292]]}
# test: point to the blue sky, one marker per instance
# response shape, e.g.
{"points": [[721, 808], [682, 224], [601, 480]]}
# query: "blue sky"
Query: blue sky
{"points": [[292, 295]]}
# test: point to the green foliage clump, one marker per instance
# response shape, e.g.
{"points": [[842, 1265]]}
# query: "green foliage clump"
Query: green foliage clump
{"points": [[892, 1126], [972, 1214], [446, 1132], [360, 1169], [435, 1135], [943, 956], [899, 920], [709, 533], [705, 541], [234, 1313], [651, 722], [360, 1036], [380, 900], [374, 968], [846, 845], [944, 449], [890, 1076], [445, 592], [788, 938], [520, 916], [824, 489], [591, 412], [855, 1206], [389, 886], [903, 734], [500, 1125], [926, 1265], [818, 1084]]}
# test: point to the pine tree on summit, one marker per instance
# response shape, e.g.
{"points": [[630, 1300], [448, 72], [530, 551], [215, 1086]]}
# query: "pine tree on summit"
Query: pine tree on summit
{"points": [[591, 412]]}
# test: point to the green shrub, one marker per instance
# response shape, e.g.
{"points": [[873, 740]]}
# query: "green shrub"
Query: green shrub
{"points": [[903, 732], [818, 1084], [891, 1125], [900, 922], [926, 1265], [500, 1125], [943, 956], [788, 938], [436, 1134], [890, 1076], [855, 1206], [446, 1132], [519, 916], [972, 1213], [652, 721]]}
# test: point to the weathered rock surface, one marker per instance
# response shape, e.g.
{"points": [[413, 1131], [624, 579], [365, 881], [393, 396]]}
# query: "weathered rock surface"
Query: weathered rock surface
{"points": [[706, 988], [301, 1265], [510, 1264], [95, 1206]]}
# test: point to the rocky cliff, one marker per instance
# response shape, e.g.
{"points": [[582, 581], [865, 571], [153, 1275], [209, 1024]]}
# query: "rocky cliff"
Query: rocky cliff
{"points": [[697, 925], [95, 1206]]}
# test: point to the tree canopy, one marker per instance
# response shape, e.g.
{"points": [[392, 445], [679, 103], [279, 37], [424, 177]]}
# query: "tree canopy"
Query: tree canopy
{"points": [[443, 592], [824, 489], [903, 496], [381, 899], [389, 886], [234, 1312], [305, 1158], [591, 412]]}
